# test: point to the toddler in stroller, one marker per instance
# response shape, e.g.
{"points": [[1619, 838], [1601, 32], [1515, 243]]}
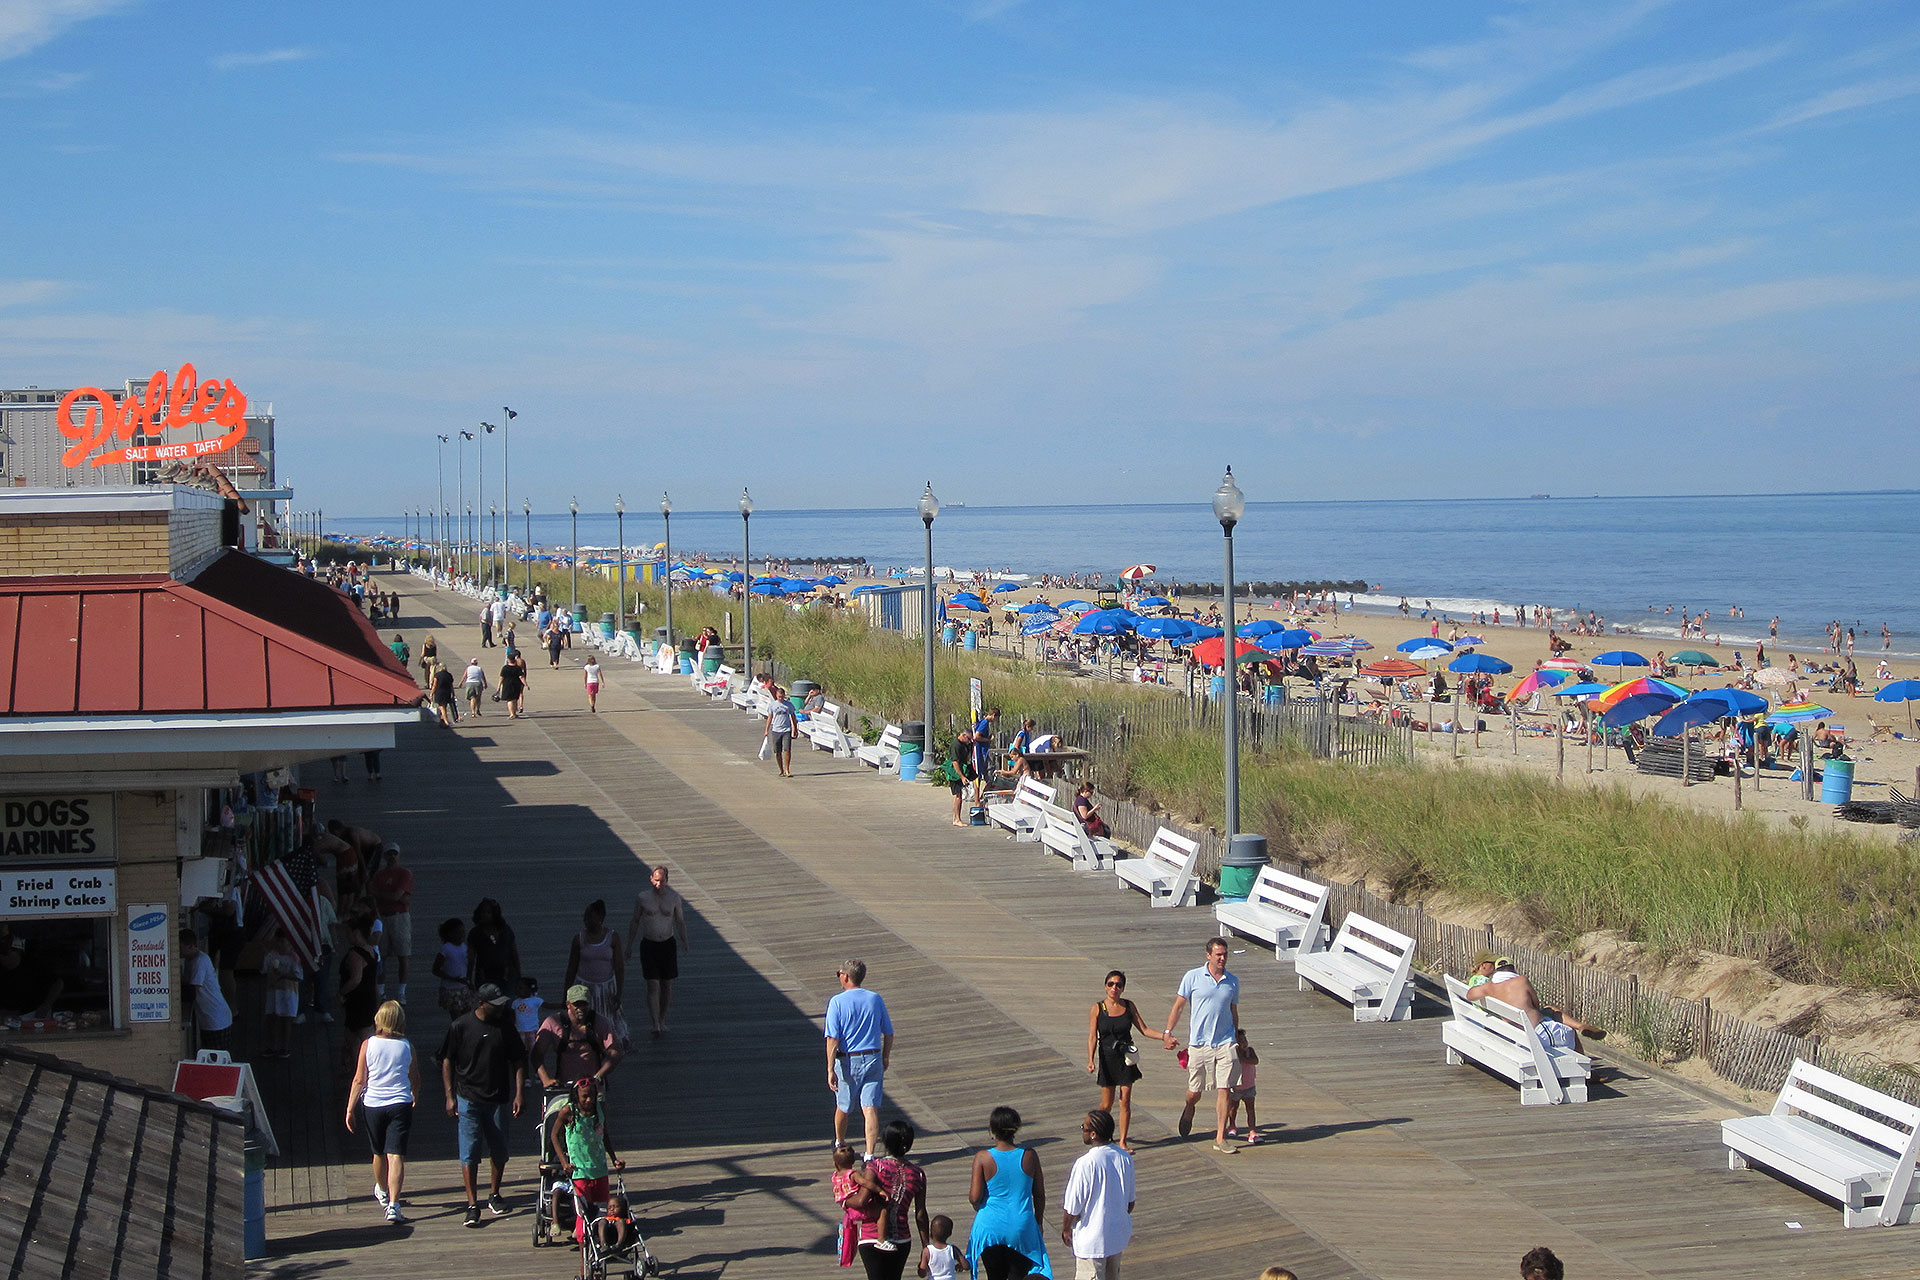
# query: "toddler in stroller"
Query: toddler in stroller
{"points": [[612, 1239]]}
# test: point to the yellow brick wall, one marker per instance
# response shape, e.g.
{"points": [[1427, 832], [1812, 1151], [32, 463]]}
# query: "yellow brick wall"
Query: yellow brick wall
{"points": [[195, 536], [46, 545]]}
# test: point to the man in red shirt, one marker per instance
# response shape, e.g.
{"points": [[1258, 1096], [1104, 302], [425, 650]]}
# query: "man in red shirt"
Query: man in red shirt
{"points": [[392, 889]]}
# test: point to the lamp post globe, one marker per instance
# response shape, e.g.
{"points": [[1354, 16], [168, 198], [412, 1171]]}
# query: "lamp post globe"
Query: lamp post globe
{"points": [[1229, 504]]}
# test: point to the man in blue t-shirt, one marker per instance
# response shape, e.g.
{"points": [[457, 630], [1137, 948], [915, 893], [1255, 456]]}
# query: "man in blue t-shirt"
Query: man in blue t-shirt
{"points": [[859, 1047], [1215, 997], [983, 752]]}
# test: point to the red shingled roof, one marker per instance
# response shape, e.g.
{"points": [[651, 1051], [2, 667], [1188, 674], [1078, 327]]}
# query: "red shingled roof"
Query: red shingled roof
{"points": [[150, 645]]}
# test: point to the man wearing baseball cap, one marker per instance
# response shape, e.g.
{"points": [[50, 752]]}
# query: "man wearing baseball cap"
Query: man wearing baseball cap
{"points": [[576, 1044], [1495, 976], [483, 1069]]}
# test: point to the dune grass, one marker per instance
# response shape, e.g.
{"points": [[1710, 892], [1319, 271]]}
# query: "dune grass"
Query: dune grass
{"points": [[1814, 907]]}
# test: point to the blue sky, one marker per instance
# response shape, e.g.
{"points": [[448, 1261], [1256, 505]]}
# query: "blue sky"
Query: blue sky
{"points": [[1036, 252]]}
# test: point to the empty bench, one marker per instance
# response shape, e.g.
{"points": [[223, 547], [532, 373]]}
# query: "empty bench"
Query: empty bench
{"points": [[1024, 812], [1064, 835], [1841, 1138], [1497, 1036], [1165, 872], [823, 729], [884, 754], [1368, 965], [1283, 910]]}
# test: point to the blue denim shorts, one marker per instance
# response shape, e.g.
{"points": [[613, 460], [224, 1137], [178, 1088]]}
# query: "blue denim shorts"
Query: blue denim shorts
{"points": [[484, 1125], [860, 1075]]}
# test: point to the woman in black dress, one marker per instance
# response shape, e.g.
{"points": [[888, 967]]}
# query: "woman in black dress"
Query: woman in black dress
{"points": [[493, 954], [513, 683], [1110, 1026]]}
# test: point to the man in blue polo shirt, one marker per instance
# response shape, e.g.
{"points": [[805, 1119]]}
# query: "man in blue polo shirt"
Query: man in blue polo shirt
{"points": [[1215, 996], [859, 1046]]}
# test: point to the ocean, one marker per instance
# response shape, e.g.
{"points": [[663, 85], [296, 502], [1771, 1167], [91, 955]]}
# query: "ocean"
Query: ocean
{"points": [[1809, 558]]}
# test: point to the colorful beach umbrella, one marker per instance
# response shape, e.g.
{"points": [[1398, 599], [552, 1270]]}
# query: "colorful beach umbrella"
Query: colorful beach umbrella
{"points": [[1212, 652], [1796, 712], [1135, 572], [1643, 685], [1356, 644], [1328, 649], [1541, 678], [1393, 669]]}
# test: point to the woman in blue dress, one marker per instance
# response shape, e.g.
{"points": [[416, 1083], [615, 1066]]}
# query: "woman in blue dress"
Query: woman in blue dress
{"points": [[1007, 1193]]}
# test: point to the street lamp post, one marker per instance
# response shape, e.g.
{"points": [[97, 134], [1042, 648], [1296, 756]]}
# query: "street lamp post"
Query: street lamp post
{"points": [[480, 534], [460, 498], [526, 508], [573, 564], [666, 517], [929, 508], [620, 570], [493, 515], [1229, 504], [506, 506], [746, 574]]}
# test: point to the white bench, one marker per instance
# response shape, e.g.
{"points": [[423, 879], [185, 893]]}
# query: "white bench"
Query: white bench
{"points": [[1165, 871], [1498, 1036], [719, 684], [1369, 966], [1023, 813], [1841, 1138], [1284, 910], [884, 754], [753, 698], [823, 729], [1064, 835]]}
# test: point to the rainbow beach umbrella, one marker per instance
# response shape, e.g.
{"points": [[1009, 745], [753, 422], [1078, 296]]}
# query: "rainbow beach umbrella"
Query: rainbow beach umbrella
{"points": [[1796, 712], [1632, 700]]}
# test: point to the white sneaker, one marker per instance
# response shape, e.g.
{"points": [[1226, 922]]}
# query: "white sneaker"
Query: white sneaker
{"points": [[395, 1216], [381, 1196]]}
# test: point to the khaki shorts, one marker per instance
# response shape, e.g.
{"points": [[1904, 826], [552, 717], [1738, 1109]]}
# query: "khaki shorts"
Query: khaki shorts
{"points": [[399, 931], [1209, 1067], [1097, 1268]]}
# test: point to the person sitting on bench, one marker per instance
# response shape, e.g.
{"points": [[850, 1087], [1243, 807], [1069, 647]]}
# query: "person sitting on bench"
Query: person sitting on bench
{"points": [[1495, 976]]}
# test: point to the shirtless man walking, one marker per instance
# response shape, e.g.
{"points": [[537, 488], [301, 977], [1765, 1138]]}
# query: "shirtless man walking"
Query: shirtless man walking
{"points": [[657, 934]]}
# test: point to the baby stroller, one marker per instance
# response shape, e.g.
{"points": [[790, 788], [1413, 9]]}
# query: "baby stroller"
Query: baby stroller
{"points": [[553, 1215], [610, 1246]]}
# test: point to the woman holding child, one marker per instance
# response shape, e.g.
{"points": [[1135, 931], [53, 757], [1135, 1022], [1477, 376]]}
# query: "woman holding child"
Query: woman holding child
{"points": [[896, 1187]]}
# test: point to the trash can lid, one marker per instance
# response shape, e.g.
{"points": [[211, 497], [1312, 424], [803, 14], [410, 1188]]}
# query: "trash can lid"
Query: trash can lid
{"points": [[1245, 850]]}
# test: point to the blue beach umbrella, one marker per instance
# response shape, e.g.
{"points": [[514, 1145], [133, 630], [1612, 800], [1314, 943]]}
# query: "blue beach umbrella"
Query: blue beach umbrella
{"points": [[1037, 607], [860, 591], [1899, 691], [1076, 606], [833, 580], [734, 575], [1621, 658], [1107, 622], [1705, 707], [1001, 588], [1585, 689], [1468, 642], [1479, 664], [1198, 631], [1152, 602], [971, 606], [1426, 652], [1424, 642], [1260, 627], [1041, 627], [1329, 649], [1163, 628], [767, 589]]}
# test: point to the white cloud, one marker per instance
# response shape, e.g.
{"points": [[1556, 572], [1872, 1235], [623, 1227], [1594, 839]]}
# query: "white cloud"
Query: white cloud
{"points": [[263, 58], [25, 25], [25, 293], [1870, 93], [44, 84]]}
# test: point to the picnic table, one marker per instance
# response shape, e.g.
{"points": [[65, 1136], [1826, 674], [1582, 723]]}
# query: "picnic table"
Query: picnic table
{"points": [[1056, 762]]}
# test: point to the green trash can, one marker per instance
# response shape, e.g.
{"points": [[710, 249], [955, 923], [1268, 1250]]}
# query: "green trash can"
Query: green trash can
{"points": [[710, 660], [1246, 854]]}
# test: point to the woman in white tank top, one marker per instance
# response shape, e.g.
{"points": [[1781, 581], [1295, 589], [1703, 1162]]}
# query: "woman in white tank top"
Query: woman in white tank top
{"points": [[386, 1083]]}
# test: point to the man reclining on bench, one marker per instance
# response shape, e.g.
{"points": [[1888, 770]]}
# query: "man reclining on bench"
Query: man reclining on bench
{"points": [[1495, 976]]}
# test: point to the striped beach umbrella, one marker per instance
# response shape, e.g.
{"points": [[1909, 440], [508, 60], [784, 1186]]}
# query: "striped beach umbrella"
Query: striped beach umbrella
{"points": [[1796, 712]]}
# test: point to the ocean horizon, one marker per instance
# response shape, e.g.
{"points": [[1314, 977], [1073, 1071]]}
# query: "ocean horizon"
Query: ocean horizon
{"points": [[1807, 558]]}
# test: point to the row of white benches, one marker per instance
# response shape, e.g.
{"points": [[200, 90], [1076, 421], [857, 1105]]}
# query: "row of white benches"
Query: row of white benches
{"points": [[1841, 1138]]}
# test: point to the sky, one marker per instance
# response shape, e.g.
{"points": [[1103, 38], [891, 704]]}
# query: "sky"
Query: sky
{"points": [[1056, 251]]}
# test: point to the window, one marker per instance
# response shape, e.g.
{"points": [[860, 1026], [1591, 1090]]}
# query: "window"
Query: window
{"points": [[62, 969]]}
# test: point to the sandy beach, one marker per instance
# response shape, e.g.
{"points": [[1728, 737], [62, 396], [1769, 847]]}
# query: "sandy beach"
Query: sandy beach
{"points": [[1882, 758]]}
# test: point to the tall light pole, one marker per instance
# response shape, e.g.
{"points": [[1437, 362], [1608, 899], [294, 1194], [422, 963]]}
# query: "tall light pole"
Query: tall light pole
{"points": [[1229, 504], [473, 565], [460, 498], [526, 507], [746, 574], [481, 535], [666, 516], [493, 514], [506, 507], [929, 508], [620, 578], [573, 564]]}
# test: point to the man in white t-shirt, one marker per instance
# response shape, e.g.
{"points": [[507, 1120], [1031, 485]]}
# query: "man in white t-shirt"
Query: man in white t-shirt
{"points": [[1098, 1220], [210, 1011]]}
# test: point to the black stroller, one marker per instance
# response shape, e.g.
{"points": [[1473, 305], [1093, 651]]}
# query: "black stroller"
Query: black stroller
{"points": [[561, 1207], [611, 1245]]}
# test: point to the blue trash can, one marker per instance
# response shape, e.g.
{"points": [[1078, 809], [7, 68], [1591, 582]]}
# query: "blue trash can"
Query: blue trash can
{"points": [[1836, 782], [1273, 695], [606, 625], [972, 641], [946, 635], [913, 746]]}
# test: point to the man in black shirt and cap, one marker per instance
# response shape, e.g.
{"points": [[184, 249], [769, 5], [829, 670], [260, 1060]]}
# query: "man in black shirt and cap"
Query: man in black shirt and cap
{"points": [[483, 1068]]}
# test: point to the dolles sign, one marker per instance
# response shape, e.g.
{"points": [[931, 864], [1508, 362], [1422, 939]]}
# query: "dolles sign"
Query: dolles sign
{"points": [[169, 404]]}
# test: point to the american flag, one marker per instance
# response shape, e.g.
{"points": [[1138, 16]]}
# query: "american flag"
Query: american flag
{"points": [[288, 888]]}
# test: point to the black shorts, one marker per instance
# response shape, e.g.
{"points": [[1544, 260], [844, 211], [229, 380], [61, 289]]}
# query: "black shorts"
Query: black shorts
{"points": [[659, 961], [389, 1127]]}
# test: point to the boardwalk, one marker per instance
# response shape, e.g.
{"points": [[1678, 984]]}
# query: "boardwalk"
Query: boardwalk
{"points": [[989, 954]]}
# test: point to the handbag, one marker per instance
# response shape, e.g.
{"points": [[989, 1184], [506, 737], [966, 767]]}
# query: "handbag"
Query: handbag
{"points": [[1131, 1055]]}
